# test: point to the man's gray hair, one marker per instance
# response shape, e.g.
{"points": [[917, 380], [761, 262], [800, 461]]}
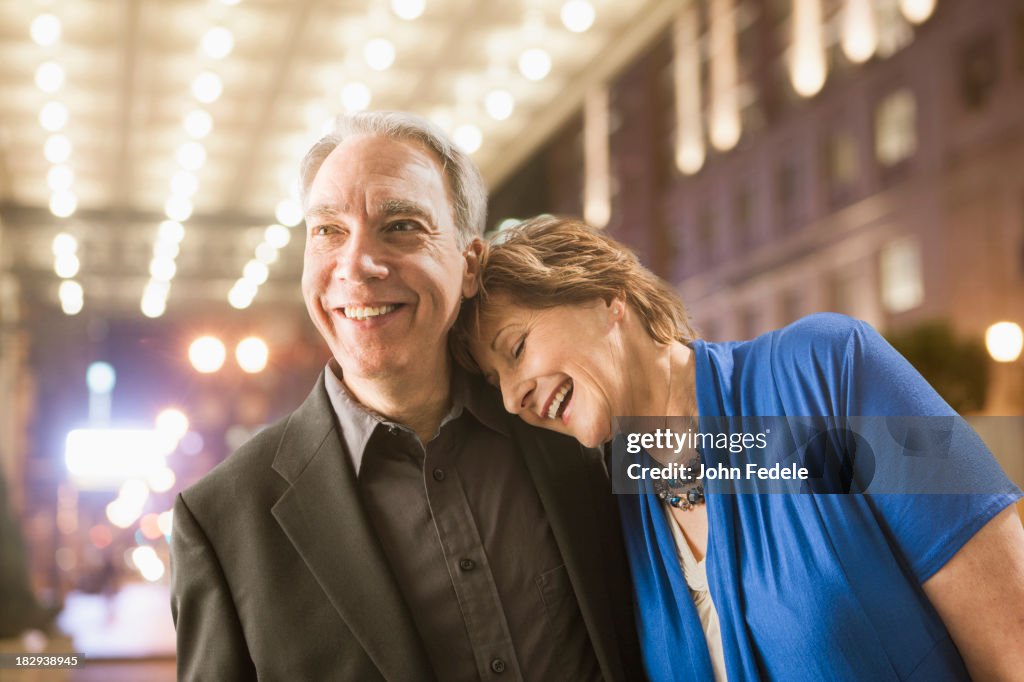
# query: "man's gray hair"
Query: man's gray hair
{"points": [[469, 196]]}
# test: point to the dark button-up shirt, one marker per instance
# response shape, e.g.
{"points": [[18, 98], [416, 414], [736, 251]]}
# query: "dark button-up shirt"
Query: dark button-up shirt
{"points": [[468, 541]]}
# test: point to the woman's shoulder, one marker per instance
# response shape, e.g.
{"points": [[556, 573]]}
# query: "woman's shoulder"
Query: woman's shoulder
{"points": [[829, 338], [819, 329]]}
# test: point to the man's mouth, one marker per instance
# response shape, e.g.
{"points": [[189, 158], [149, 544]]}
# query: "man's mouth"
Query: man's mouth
{"points": [[559, 400], [368, 312]]}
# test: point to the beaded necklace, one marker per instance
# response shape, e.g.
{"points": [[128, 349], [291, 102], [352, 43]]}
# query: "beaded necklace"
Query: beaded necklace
{"points": [[682, 493]]}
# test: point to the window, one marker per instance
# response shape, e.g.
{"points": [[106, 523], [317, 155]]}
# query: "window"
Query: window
{"points": [[842, 166], [742, 217], [708, 330], [900, 271], [705, 235], [786, 196], [750, 323], [791, 306], [841, 293], [979, 71], [1019, 34], [896, 128]]}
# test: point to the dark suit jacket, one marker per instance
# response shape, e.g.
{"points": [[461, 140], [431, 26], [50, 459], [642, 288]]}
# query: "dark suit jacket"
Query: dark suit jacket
{"points": [[277, 573]]}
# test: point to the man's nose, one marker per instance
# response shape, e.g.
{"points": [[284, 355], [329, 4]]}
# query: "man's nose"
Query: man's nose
{"points": [[517, 395], [360, 259]]}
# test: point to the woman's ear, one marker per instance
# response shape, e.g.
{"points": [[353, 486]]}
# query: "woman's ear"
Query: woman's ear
{"points": [[617, 308], [471, 273]]}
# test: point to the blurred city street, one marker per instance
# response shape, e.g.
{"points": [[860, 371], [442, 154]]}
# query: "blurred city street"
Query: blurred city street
{"points": [[769, 159]]}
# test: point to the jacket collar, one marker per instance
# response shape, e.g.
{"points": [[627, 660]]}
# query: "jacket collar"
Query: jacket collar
{"points": [[323, 517]]}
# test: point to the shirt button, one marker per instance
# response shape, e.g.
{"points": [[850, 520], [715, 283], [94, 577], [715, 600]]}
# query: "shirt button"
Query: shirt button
{"points": [[498, 665], [467, 564], [438, 474], [393, 430]]}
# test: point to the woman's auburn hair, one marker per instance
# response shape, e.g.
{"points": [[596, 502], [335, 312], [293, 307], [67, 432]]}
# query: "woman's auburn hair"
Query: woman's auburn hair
{"points": [[550, 261]]}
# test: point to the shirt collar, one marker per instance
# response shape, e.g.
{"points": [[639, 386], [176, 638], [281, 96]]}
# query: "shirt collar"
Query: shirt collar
{"points": [[358, 423]]}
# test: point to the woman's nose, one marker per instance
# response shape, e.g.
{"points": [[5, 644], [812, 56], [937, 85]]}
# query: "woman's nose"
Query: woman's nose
{"points": [[517, 396]]}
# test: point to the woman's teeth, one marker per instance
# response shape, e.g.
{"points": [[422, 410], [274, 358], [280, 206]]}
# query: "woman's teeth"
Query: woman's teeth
{"points": [[556, 404], [364, 313]]}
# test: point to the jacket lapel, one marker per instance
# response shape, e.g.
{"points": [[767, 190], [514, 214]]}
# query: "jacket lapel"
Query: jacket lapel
{"points": [[322, 515], [566, 485]]}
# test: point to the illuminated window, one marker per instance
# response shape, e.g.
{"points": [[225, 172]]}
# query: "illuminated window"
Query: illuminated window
{"points": [[900, 271], [842, 166], [896, 128]]}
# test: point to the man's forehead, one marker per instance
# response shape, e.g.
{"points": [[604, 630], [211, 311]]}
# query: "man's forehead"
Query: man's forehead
{"points": [[384, 174]]}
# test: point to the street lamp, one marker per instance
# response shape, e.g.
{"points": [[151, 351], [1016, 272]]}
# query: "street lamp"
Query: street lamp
{"points": [[1004, 341]]}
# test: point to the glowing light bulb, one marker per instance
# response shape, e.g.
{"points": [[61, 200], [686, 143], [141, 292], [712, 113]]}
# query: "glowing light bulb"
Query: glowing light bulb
{"points": [[252, 354], [534, 64], [45, 30], [408, 9], [49, 77], [355, 96], [288, 212], [578, 15], [379, 54], [57, 149], [499, 104], [63, 203], [468, 137], [191, 156], [53, 116], [172, 231], [207, 354], [917, 11], [218, 42], [1004, 341], [198, 123], [207, 87], [60, 177], [178, 208], [277, 236]]}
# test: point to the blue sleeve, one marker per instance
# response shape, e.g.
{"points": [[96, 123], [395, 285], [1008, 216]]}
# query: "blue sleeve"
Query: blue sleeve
{"points": [[927, 529]]}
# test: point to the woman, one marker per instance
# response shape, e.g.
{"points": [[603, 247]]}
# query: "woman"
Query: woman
{"points": [[806, 586]]}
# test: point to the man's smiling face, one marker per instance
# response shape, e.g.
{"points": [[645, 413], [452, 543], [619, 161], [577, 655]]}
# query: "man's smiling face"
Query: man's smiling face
{"points": [[383, 273]]}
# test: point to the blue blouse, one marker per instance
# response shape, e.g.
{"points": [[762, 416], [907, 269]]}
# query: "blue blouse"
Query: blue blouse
{"points": [[810, 586]]}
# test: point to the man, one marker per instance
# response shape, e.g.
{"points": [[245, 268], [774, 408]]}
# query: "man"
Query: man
{"points": [[399, 525]]}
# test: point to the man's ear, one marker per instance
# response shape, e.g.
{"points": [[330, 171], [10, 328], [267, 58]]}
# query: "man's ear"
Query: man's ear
{"points": [[471, 274]]}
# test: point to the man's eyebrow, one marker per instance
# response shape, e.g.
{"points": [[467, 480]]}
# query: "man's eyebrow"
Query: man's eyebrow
{"points": [[320, 211], [396, 207]]}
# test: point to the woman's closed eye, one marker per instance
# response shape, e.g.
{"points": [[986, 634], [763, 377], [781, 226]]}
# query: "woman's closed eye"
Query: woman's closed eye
{"points": [[519, 347]]}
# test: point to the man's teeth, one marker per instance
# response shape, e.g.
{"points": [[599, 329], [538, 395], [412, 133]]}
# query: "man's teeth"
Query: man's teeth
{"points": [[366, 312], [559, 397]]}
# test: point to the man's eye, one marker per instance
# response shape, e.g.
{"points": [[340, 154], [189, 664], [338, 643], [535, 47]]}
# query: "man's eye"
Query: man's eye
{"points": [[403, 226], [323, 230]]}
